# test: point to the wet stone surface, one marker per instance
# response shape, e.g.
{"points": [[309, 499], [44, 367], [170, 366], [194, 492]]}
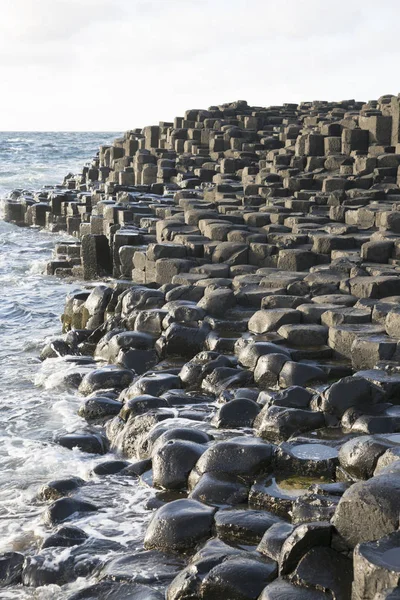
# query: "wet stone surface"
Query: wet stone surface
{"points": [[233, 364]]}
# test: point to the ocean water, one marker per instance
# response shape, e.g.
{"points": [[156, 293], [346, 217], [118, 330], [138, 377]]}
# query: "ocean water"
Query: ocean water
{"points": [[34, 409], [33, 159]]}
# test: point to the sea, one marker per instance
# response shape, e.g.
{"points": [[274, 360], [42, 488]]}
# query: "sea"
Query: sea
{"points": [[35, 407]]}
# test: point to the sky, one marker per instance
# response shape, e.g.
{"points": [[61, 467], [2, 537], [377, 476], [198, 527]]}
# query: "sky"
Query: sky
{"points": [[113, 65]]}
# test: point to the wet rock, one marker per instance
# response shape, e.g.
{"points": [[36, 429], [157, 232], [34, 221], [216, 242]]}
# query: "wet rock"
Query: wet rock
{"points": [[314, 507], [326, 570], [268, 369], [139, 405], [236, 413], [11, 568], [369, 509], [376, 567], [278, 423], [109, 590], [64, 508], [179, 340], [309, 460], [292, 397], [105, 378], [359, 456], [350, 392], [93, 443], [173, 461], [223, 378], [220, 489], [302, 539], [281, 589], [110, 467], [264, 321], [179, 525], [66, 537], [250, 355], [154, 384], [194, 371], [60, 487], [98, 408], [238, 579], [148, 567], [273, 539], [55, 349], [277, 495], [242, 456], [302, 374], [243, 526], [136, 469], [44, 569]]}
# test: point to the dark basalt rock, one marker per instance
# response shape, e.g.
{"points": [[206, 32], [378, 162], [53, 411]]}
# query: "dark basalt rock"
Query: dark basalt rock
{"points": [[153, 384], [309, 460], [64, 508], [110, 467], [65, 537], [369, 509], [179, 525], [273, 539], [93, 443], [277, 496], [281, 589], [106, 378], [55, 349], [240, 412], [194, 371], [11, 568], [302, 539], [99, 408], [179, 340], [140, 405], [278, 423], [60, 487], [292, 397], [223, 378], [238, 579], [242, 456], [359, 456], [376, 567], [173, 461], [136, 469], [220, 489], [350, 392], [148, 567], [314, 507], [109, 590], [326, 570], [243, 526]]}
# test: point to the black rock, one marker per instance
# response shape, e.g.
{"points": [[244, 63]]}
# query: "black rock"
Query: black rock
{"points": [[243, 526], [179, 525], [93, 443], [106, 378], [173, 461], [98, 408], [110, 467], [11, 568], [238, 579], [240, 412], [110, 590], [64, 508], [66, 536], [60, 487], [220, 489], [376, 566], [281, 589]]}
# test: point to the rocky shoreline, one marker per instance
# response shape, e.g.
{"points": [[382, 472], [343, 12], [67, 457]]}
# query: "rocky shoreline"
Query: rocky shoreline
{"points": [[238, 353]]}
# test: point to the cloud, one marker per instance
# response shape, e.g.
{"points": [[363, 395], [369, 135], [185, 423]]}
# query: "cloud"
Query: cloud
{"points": [[117, 64]]}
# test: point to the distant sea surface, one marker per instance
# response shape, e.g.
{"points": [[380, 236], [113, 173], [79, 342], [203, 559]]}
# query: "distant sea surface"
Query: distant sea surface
{"points": [[33, 159], [34, 409]]}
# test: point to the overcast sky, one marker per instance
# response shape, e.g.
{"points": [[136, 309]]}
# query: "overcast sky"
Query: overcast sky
{"points": [[119, 64]]}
